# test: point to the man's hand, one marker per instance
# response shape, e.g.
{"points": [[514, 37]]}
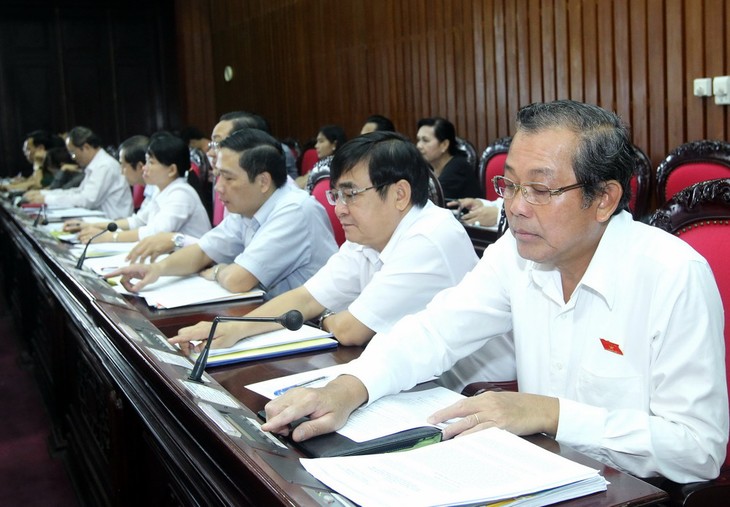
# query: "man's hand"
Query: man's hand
{"points": [[73, 225], [478, 214], [327, 408], [34, 197], [518, 413], [152, 247], [226, 335], [145, 273], [89, 232]]}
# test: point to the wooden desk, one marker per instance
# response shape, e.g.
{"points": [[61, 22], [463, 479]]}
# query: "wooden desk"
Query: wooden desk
{"points": [[133, 430]]}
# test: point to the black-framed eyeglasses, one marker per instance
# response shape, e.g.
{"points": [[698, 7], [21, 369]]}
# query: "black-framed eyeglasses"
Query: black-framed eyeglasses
{"points": [[534, 193], [347, 195], [214, 145]]}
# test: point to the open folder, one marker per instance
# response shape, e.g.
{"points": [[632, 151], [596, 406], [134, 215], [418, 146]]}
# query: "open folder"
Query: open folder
{"points": [[393, 423], [281, 342]]}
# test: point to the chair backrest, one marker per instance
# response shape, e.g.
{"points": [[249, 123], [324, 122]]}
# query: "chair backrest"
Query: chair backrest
{"points": [[320, 186], [691, 163], [700, 215], [640, 184], [468, 150], [435, 192], [200, 165], [309, 158], [491, 164]]}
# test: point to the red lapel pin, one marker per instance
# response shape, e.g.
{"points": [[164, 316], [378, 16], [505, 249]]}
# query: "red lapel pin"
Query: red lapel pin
{"points": [[611, 347]]}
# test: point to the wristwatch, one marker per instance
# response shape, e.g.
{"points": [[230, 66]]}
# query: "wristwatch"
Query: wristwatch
{"points": [[326, 313], [179, 240]]}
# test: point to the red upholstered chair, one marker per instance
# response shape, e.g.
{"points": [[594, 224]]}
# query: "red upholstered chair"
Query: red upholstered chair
{"points": [[137, 196], [492, 164], [200, 165], [309, 158], [691, 163], [700, 215], [321, 185], [640, 184]]}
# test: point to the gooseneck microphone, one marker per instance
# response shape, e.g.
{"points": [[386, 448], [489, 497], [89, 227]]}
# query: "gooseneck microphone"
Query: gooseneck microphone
{"points": [[292, 320], [111, 227]]}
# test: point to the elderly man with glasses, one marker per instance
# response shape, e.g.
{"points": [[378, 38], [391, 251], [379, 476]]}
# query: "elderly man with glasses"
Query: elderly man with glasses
{"points": [[400, 251], [617, 326]]}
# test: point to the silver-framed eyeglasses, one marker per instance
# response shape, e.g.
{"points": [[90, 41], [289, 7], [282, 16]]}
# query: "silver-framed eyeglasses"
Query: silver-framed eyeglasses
{"points": [[347, 195], [534, 193], [214, 145]]}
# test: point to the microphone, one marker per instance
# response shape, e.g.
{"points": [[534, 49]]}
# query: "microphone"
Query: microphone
{"points": [[41, 213], [111, 227], [292, 320]]}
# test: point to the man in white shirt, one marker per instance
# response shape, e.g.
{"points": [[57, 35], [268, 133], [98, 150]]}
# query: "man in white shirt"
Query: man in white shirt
{"points": [[401, 250], [275, 237], [618, 327], [103, 187]]}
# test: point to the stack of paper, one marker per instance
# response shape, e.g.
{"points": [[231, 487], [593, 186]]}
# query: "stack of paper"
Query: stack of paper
{"points": [[272, 344], [178, 291], [484, 467]]}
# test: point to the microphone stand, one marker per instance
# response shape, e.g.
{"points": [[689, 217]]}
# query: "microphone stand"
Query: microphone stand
{"points": [[41, 212], [291, 320], [110, 227]]}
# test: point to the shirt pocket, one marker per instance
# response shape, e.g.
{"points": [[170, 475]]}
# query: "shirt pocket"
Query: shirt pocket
{"points": [[609, 380]]}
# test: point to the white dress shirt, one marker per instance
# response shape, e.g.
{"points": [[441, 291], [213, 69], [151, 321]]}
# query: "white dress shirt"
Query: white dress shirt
{"points": [[286, 241], [177, 208], [103, 188], [636, 356], [429, 251]]}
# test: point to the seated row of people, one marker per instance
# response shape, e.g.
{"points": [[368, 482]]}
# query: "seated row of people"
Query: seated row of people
{"points": [[538, 306], [640, 390]]}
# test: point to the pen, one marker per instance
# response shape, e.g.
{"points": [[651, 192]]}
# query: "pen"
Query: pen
{"points": [[281, 391]]}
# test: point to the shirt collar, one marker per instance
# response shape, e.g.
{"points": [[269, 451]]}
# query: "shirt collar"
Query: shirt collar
{"points": [[600, 275], [375, 257], [266, 208]]}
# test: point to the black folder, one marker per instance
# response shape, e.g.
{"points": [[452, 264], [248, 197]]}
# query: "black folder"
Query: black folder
{"points": [[333, 444]]}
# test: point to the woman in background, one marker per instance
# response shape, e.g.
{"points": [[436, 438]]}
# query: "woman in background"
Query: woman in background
{"points": [[329, 138], [436, 140], [176, 207]]}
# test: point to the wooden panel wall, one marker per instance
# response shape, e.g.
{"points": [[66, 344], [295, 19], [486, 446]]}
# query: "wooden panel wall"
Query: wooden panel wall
{"points": [[105, 65], [305, 63]]}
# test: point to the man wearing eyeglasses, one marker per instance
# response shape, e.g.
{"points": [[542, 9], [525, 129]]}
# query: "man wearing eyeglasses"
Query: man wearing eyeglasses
{"points": [[617, 326], [400, 251], [275, 236]]}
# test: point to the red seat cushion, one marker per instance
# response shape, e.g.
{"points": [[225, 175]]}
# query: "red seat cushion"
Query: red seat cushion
{"points": [[495, 167], [319, 193]]}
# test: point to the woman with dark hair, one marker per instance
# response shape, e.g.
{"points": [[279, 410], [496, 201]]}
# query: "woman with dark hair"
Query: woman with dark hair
{"points": [[174, 207], [436, 140], [329, 138]]}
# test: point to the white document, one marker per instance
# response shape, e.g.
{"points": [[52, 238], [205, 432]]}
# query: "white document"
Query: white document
{"points": [[485, 466], [388, 415], [177, 291], [397, 412], [268, 388], [63, 213]]}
